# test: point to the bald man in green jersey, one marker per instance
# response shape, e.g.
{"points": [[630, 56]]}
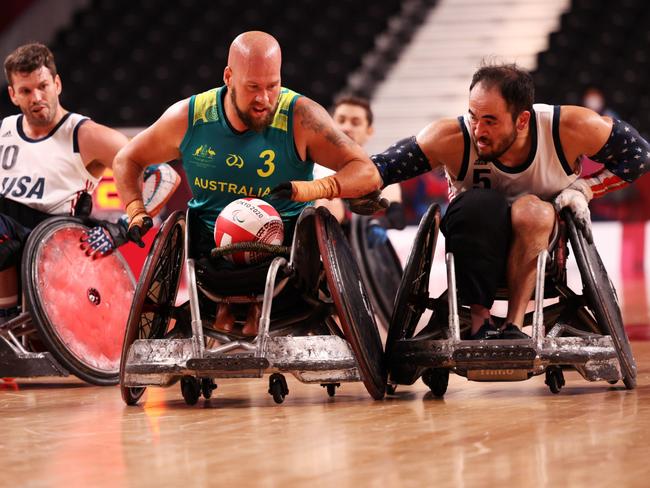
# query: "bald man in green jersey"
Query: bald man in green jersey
{"points": [[242, 140]]}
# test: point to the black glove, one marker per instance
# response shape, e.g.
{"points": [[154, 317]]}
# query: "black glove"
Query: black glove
{"points": [[104, 237], [136, 232], [368, 204], [84, 205], [395, 216], [282, 191]]}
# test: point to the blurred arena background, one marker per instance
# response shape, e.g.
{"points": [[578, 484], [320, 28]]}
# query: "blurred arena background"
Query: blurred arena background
{"points": [[123, 62]]}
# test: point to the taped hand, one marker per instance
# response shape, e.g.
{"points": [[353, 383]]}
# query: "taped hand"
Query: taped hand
{"points": [[577, 202], [138, 228], [139, 222]]}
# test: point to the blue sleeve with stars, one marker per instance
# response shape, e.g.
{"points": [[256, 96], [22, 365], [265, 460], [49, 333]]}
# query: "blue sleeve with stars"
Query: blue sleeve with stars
{"points": [[626, 153], [401, 161]]}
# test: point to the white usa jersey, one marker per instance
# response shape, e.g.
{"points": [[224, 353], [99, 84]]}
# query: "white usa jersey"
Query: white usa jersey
{"points": [[545, 172], [46, 174]]}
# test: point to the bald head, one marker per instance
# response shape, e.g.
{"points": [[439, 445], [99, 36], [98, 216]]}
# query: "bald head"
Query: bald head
{"points": [[254, 47], [253, 80]]}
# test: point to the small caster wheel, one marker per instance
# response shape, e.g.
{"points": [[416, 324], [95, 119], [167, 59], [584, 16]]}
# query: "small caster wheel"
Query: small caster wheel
{"points": [[278, 388], [554, 379], [191, 389], [331, 388], [391, 389], [437, 380], [207, 387]]}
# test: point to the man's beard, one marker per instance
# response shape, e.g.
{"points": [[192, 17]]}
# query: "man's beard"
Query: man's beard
{"points": [[257, 125], [500, 149], [39, 120]]}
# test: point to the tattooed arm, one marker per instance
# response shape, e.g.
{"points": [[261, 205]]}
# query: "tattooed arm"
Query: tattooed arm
{"points": [[318, 139]]}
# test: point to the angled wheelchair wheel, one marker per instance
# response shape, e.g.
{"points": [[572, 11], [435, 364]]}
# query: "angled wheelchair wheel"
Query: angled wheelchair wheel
{"points": [[351, 302], [413, 291], [305, 255], [380, 269], [79, 305], [602, 299], [155, 294]]}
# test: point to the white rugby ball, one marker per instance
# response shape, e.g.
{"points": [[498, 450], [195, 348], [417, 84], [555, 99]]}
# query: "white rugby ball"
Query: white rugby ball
{"points": [[248, 220]]}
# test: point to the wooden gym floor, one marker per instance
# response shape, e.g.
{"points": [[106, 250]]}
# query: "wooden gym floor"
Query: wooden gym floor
{"points": [[64, 433]]}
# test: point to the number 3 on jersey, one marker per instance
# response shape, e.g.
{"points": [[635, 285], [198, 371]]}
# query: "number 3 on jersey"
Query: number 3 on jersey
{"points": [[268, 156], [481, 178]]}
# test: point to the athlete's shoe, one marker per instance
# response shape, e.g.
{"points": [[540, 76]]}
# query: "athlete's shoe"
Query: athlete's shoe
{"points": [[487, 331], [511, 331]]}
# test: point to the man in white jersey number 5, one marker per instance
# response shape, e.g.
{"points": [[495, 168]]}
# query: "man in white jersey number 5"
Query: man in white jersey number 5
{"points": [[508, 161]]}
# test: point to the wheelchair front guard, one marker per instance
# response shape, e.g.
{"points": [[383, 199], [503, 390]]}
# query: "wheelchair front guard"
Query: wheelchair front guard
{"points": [[585, 332], [73, 311], [155, 352]]}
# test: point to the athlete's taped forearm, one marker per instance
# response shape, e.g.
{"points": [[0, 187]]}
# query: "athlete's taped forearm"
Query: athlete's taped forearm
{"points": [[307, 191]]}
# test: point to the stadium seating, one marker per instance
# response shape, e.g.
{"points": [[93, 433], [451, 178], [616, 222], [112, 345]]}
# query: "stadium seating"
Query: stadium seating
{"points": [[123, 62], [597, 45]]}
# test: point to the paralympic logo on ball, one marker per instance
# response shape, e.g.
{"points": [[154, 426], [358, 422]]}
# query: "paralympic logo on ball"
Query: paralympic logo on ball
{"points": [[248, 220]]}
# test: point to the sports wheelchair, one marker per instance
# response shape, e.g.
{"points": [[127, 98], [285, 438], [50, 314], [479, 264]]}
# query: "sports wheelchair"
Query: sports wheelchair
{"points": [[316, 320], [581, 331], [73, 308]]}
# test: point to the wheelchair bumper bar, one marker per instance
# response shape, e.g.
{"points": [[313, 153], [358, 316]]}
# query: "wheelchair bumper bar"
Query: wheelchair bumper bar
{"points": [[311, 359]]}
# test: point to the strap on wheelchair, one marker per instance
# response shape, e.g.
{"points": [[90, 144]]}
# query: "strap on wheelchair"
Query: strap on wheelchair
{"points": [[250, 247]]}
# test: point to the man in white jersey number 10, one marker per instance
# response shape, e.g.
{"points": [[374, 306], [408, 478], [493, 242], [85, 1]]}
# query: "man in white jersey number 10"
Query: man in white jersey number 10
{"points": [[51, 161]]}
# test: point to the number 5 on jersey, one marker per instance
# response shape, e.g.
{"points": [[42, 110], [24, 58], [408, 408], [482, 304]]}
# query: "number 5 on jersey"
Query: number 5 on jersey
{"points": [[481, 178]]}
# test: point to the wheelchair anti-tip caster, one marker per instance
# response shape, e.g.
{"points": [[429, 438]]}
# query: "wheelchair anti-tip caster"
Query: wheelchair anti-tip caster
{"points": [[207, 387], [331, 388], [190, 389], [554, 379], [437, 380], [278, 388]]}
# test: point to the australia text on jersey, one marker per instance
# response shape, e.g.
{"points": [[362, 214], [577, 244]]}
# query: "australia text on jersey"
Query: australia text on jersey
{"points": [[234, 188]]}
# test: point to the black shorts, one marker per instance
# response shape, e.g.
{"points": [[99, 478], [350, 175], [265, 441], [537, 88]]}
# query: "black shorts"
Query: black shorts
{"points": [[477, 231]]}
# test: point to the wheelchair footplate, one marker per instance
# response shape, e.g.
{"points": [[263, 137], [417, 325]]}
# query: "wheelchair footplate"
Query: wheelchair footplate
{"points": [[311, 359], [594, 358], [576, 334], [326, 340], [17, 361]]}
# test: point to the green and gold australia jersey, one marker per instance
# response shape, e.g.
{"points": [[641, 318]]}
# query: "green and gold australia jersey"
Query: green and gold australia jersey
{"points": [[223, 165]]}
